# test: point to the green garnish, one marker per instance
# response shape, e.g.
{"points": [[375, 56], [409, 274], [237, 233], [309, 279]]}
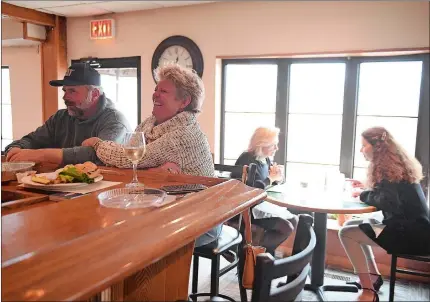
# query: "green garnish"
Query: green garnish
{"points": [[77, 176], [66, 178]]}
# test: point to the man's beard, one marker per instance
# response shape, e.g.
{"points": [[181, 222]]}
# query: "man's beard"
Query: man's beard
{"points": [[79, 110]]}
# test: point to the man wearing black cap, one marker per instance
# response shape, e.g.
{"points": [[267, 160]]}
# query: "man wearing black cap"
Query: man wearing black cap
{"points": [[89, 114]]}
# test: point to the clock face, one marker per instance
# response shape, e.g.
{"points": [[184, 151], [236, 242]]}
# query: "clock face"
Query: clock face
{"points": [[180, 50], [176, 54]]}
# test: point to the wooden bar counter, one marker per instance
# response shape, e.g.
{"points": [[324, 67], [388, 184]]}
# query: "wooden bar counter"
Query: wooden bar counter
{"points": [[78, 250]]}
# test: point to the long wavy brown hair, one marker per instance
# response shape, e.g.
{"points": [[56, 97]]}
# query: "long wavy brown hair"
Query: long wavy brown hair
{"points": [[390, 161]]}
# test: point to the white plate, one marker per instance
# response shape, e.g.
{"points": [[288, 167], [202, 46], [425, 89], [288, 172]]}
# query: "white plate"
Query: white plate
{"points": [[31, 184]]}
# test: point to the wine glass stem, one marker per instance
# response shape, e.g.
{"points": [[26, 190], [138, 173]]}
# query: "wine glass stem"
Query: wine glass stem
{"points": [[135, 180]]}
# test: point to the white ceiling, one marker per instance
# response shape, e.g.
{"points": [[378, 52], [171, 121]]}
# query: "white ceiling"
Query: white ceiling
{"points": [[93, 8]]}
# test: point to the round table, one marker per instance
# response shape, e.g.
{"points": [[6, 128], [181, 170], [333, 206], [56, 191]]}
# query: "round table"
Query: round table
{"points": [[320, 203]]}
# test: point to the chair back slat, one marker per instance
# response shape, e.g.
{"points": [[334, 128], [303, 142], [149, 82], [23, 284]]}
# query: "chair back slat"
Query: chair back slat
{"points": [[290, 291], [252, 172]]}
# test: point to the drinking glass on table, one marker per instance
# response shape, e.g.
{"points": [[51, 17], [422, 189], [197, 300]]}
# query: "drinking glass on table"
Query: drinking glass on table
{"points": [[134, 147]]}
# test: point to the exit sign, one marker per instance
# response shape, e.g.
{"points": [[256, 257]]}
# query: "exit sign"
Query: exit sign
{"points": [[102, 29]]}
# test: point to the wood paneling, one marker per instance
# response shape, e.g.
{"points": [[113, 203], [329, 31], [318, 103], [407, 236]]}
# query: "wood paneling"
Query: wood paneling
{"points": [[27, 14], [161, 280], [54, 65], [164, 280]]}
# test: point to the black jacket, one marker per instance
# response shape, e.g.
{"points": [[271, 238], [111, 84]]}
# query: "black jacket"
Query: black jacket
{"points": [[406, 216], [262, 175]]}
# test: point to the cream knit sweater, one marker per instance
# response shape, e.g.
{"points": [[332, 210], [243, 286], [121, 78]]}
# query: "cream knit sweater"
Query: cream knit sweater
{"points": [[178, 140]]}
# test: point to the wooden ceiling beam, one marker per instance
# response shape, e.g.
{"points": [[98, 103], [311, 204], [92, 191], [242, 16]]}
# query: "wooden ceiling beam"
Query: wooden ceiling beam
{"points": [[27, 14]]}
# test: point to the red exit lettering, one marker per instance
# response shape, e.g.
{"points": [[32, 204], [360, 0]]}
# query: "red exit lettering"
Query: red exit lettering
{"points": [[102, 29]]}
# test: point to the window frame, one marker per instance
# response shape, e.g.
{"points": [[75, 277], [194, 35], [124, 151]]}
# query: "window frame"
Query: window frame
{"points": [[7, 67], [350, 104], [123, 62]]}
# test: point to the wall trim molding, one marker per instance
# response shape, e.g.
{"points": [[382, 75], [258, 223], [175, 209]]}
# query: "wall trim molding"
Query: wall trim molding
{"points": [[328, 54]]}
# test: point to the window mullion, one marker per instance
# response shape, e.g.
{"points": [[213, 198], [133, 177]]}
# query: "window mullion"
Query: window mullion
{"points": [[422, 143], [281, 116], [223, 90], [349, 118]]}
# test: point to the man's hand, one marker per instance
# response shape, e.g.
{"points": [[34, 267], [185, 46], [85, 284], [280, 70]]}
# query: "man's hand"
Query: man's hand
{"points": [[11, 152], [16, 154], [91, 142], [39, 156]]}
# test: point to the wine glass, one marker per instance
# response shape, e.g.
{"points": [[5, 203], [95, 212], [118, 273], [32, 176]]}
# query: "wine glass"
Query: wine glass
{"points": [[134, 149]]}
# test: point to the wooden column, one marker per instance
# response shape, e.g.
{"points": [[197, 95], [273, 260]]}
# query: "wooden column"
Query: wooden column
{"points": [[54, 65], [54, 51]]}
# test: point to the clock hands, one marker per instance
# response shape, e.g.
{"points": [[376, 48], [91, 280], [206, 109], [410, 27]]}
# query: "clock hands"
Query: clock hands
{"points": [[187, 61]]}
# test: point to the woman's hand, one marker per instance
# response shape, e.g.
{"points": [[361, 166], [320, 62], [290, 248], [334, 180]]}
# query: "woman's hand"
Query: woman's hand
{"points": [[356, 183], [356, 193], [275, 173], [91, 142], [167, 167]]}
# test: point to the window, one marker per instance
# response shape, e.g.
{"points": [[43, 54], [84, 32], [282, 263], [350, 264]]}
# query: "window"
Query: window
{"points": [[314, 120], [250, 101], [120, 80], [6, 109], [388, 96], [321, 107]]}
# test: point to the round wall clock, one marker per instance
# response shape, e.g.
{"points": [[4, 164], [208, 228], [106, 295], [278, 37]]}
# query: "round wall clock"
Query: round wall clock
{"points": [[180, 50]]}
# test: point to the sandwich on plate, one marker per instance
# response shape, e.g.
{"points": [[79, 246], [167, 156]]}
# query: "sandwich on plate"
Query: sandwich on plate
{"points": [[85, 173]]}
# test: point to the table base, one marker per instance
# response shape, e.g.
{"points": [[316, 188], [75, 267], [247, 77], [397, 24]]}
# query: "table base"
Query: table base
{"points": [[319, 290]]}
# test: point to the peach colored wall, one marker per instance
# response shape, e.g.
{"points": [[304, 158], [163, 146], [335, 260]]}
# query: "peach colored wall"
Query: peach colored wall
{"points": [[26, 88], [253, 28]]}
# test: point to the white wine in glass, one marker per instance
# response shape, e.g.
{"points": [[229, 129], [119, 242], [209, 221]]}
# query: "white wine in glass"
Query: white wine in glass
{"points": [[134, 149]]}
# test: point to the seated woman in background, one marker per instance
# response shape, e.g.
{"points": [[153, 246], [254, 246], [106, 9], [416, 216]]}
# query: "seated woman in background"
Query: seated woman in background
{"points": [[275, 222], [262, 146], [174, 141], [393, 186]]}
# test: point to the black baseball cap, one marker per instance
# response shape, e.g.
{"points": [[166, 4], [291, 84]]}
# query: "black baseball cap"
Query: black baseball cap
{"points": [[78, 74]]}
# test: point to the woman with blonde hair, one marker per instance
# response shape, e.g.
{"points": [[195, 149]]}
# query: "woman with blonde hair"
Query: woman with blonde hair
{"points": [[262, 146], [393, 187], [275, 223], [174, 140]]}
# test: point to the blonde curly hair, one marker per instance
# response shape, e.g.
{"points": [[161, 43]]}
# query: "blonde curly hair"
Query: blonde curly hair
{"points": [[262, 137], [389, 161], [187, 83]]}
